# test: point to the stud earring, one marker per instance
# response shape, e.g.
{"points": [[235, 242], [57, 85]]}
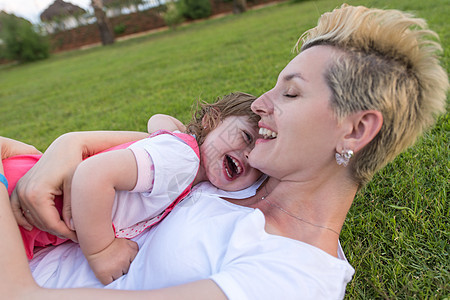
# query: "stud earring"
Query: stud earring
{"points": [[344, 158]]}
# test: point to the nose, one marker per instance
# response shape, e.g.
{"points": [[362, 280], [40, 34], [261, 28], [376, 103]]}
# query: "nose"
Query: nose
{"points": [[263, 105], [247, 151]]}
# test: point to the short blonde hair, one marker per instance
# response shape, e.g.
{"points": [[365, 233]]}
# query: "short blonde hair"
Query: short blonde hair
{"points": [[389, 64]]}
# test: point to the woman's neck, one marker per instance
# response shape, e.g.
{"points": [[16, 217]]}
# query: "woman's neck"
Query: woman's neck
{"points": [[310, 213]]}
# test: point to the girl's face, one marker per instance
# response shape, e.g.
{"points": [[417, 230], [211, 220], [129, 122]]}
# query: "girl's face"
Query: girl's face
{"points": [[224, 154], [297, 124]]}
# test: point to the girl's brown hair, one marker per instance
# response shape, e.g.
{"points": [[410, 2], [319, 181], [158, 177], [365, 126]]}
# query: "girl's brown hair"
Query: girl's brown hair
{"points": [[208, 115]]}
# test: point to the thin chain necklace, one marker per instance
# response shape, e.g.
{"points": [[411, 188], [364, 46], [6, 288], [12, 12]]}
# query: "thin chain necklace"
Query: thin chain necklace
{"points": [[294, 216]]}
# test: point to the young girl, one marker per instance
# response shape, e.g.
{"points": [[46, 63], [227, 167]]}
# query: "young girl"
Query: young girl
{"points": [[138, 184]]}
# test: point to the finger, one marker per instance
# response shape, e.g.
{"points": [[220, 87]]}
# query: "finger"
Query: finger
{"points": [[135, 249], [28, 216], [67, 205], [43, 212], [14, 147], [133, 254], [62, 231], [136, 245], [18, 214], [33, 150], [107, 279], [30, 197], [126, 269], [51, 222], [67, 216], [123, 270], [37, 216]]}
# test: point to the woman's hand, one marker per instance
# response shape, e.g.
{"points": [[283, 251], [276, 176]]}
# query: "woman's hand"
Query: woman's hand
{"points": [[36, 190], [52, 175]]}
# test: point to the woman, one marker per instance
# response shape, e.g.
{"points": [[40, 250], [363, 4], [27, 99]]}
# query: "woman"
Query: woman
{"points": [[362, 89]]}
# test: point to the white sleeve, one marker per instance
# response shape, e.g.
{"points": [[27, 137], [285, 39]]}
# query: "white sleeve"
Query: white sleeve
{"points": [[146, 170], [258, 265], [175, 165]]}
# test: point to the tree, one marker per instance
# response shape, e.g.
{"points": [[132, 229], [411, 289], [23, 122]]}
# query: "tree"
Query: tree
{"points": [[195, 9], [20, 40], [104, 26], [239, 6]]}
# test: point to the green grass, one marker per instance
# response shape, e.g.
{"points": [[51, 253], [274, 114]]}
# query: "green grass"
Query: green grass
{"points": [[397, 232]]}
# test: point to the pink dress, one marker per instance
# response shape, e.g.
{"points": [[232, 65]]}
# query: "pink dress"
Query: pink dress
{"points": [[15, 167]]}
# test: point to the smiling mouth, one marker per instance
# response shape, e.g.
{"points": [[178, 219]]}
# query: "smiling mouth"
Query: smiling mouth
{"points": [[232, 166], [267, 134]]}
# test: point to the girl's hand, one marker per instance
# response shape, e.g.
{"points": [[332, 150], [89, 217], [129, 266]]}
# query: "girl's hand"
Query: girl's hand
{"points": [[113, 261]]}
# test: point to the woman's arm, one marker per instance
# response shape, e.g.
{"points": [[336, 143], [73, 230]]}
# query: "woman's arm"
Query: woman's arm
{"points": [[15, 275], [16, 281], [94, 186], [52, 175]]}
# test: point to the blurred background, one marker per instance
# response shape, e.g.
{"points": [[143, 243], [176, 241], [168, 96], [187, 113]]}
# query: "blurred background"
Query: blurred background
{"points": [[73, 24]]}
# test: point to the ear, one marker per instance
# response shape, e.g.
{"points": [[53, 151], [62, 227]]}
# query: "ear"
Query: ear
{"points": [[206, 122], [211, 118], [361, 128]]}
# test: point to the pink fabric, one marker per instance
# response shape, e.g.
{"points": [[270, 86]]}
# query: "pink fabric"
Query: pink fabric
{"points": [[15, 167]]}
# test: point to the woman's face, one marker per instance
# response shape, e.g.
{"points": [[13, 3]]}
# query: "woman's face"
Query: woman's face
{"points": [[299, 128]]}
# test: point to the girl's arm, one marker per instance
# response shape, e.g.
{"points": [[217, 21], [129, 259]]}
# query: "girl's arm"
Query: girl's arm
{"points": [[161, 121], [94, 186], [52, 175]]}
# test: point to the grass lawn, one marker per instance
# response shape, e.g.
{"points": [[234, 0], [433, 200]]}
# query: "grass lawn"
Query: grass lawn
{"points": [[397, 232]]}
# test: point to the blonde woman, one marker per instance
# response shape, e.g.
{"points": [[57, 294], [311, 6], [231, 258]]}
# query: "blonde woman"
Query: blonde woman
{"points": [[364, 86]]}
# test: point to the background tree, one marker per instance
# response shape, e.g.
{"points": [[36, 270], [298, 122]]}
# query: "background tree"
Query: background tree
{"points": [[239, 6], [62, 15], [194, 9], [104, 26], [20, 41]]}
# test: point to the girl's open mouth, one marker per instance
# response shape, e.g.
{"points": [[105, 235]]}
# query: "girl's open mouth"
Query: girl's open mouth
{"points": [[232, 167]]}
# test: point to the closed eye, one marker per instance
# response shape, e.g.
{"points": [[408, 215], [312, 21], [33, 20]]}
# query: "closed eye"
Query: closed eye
{"points": [[247, 137], [290, 95]]}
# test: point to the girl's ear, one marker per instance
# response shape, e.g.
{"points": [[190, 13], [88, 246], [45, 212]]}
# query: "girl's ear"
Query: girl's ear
{"points": [[205, 122], [362, 127], [211, 118]]}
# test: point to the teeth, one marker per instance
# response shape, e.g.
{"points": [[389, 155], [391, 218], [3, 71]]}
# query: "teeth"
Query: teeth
{"points": [[228, 173], [238, 167], [267, 133]]}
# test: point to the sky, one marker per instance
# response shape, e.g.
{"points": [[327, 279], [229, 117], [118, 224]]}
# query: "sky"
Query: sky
{"points": [[31, 9]]}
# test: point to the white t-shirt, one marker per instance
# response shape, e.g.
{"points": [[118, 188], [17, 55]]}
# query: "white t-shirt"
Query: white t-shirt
{"points": [[175, 167], [207, 237]]}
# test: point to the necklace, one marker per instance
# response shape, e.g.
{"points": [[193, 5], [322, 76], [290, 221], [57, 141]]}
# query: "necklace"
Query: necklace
{"points": [[294, 216]]}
